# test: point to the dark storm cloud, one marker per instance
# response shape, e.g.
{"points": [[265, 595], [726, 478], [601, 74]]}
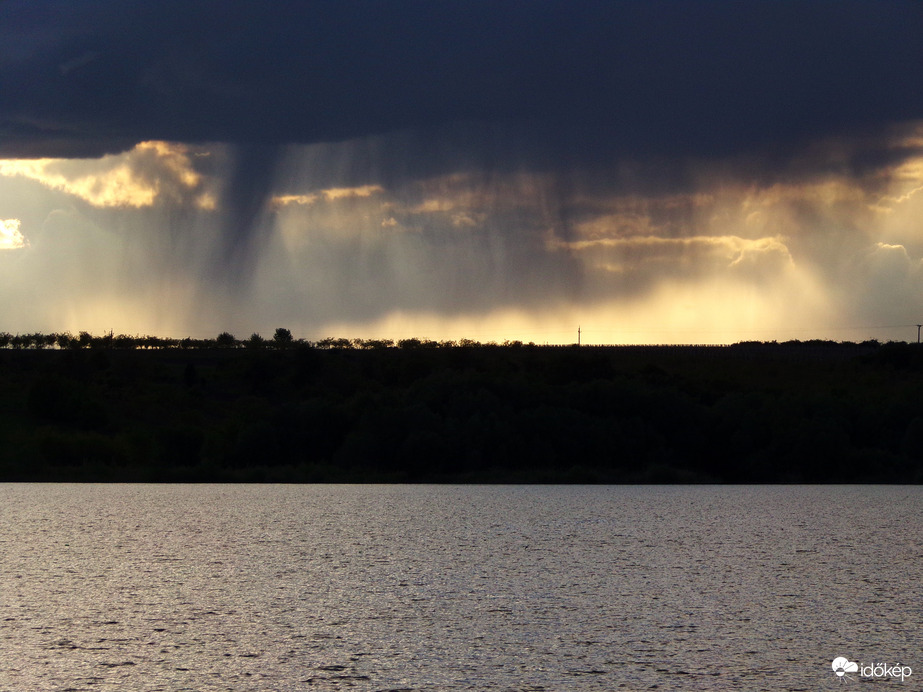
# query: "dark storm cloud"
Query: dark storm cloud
{"points": [[578, 81]]}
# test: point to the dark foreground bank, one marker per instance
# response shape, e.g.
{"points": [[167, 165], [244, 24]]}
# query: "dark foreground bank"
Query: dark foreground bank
{"points": [[816, 413]]}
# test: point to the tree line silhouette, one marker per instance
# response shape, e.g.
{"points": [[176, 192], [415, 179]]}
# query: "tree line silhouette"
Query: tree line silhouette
{"points": [[281, 339], [343, 410]]}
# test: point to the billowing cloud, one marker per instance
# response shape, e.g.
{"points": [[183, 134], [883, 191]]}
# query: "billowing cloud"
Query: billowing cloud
{"points": [[700, 253], [11, 238], [149, 172], [330, 195]]}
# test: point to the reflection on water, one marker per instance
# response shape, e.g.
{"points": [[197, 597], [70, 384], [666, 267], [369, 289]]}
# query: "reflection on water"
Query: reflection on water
{"points": [[219, 587]]}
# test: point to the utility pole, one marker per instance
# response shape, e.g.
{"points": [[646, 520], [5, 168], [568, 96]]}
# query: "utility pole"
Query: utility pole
{"points": [[918, 332], [578, 335]]}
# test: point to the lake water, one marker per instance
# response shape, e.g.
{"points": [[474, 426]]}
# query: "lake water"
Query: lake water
{"points": [[261, 587]]}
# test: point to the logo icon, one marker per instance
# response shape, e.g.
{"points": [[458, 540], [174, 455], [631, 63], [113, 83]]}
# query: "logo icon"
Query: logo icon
{"points": [[842, 665]]}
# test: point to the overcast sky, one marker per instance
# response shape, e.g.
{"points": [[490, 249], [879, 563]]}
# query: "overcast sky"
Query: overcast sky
{"points": [[650, 171]]}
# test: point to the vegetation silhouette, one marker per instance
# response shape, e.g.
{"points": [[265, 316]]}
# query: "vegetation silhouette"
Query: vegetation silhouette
{"points": [[141, 408]]}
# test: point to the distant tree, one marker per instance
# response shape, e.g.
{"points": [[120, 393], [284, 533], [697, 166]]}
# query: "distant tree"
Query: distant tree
{"points": [[36, 340], [5, 339], [126, 341], [372, 343], [417, 343], [340, 342], [226, 340], [84, 339], [282, 338], [64, 340], [256, 341]]}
